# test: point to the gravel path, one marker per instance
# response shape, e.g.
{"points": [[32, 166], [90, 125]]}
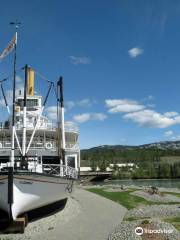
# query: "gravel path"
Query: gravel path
{"points": [[126, 231], [156, 197], [86, 216], [154, 211]]}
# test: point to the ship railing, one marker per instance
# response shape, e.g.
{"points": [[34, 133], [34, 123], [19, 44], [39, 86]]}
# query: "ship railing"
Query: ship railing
{"points": [[69, 126], [60, 170], [48, 145], [72, 146]]}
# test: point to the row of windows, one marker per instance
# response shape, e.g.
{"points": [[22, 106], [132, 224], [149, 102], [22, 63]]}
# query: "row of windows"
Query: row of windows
{"points": [[30, 102]]}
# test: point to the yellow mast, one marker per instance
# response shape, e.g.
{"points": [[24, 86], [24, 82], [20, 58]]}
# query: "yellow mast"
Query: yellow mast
{"points": [[30, 85]]}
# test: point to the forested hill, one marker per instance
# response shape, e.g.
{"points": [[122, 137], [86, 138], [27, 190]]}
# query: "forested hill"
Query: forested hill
{"points": [[172, 145], [153, 160]]}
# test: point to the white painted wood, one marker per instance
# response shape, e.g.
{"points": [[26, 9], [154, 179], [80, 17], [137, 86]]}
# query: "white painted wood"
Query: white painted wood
{"points": [[32, 191]]}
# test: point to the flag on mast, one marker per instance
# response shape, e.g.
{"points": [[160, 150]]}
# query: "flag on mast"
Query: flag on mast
{"points": [[9, 47]]}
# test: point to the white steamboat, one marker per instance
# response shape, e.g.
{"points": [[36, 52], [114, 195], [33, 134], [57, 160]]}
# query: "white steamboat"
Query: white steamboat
{"points": [[39, 165]]}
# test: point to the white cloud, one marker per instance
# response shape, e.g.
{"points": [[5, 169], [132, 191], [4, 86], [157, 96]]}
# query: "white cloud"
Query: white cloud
{"points": [[142, 114], [70, 104], [80, 60], [80, 118], [98, 116], [168, 133], [84, 117], [9, 93], [18, 79], [151, 105], [171, 114], [135, 52], [150, 97], [84, 103], [81, 103], [175, 138], [52, 112], [123, 105], [150, 118]]}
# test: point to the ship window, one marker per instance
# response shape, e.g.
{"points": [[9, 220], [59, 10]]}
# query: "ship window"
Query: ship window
{"points": [[32, 102], [20, 102]]}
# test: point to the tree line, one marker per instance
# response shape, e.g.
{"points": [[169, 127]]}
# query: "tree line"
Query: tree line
{"points": [[148, 163]]}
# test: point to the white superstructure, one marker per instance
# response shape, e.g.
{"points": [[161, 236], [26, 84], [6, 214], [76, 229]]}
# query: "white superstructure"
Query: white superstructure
{"points": [[44, 146], [46, 157]]}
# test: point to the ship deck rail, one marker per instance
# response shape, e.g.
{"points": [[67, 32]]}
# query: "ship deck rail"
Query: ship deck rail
{"points": [[49, 169], [48, 145], [69, 126], [60, 170]]}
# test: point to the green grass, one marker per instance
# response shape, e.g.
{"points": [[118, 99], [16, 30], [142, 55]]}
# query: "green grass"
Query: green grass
{"points": [[6, 238], [125, 198], [173, 193], [129, 219], [175, 221]]}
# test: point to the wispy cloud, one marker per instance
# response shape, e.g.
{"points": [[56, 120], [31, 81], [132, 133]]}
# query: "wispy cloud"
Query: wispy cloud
{"points": [[148, 98], [152, 119], [171, 114], [142, 114], [80, 118], [80, 60], [84, 117], [123, 105], [81, 103], [51, 112], [175, 138], [9, 92], [168, 133], [135, 52], [70, 104]]}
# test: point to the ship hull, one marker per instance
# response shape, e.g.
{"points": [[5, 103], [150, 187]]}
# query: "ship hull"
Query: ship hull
{"points": [[31, 191]]}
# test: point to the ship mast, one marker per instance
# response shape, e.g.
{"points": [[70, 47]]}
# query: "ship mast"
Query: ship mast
{"points": [[61, 117], [17, 24], [24, 117]]}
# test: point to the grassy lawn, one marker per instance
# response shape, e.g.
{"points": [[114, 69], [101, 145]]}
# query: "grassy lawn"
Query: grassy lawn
{"points": [[124, 198], [173, 193], [175, 221]]}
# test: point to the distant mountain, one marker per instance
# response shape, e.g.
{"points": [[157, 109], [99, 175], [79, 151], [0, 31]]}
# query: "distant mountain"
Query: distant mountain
{"points": [[164, 145]]}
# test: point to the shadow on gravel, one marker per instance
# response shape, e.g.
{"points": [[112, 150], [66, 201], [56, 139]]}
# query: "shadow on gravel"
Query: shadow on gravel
{"points": [[47, 210], [35, 214]]}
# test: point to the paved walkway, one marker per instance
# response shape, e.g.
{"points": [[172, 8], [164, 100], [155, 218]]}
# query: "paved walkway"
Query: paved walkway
{"points": [[87, 216], [97, 218]]}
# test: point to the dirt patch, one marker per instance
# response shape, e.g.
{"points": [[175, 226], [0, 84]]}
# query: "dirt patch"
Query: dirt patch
{"points": [[147, 235]]}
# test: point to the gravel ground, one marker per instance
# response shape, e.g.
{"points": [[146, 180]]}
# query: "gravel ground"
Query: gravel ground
{"points": [[175, 235], [157, 197], [154, 211], [86, 216], [126, 231], [175, 190]]}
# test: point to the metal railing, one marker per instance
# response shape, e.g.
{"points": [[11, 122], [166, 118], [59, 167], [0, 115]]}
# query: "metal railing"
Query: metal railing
{"points": [[69, 126], [49, 145], [50, 169], [60, 170]]}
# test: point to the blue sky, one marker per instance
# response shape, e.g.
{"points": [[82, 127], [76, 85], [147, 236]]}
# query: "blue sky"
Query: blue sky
{"points": [[120, 61]]}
